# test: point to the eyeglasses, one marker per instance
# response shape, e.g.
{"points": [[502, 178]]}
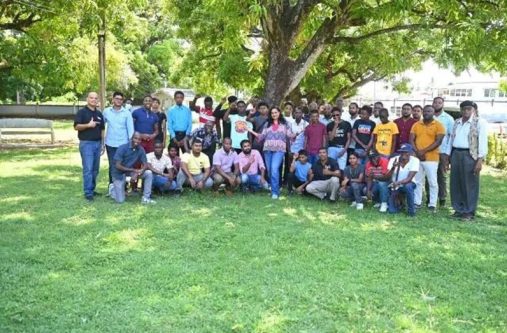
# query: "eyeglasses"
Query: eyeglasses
{"points": [[336, 115]]}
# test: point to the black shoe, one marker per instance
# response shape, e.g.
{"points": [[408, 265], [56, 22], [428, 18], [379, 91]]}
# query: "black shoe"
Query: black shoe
{"points": [[432, 210], [441, 202], [97, 194], [457, 215], [467, 217], [89, 198]]}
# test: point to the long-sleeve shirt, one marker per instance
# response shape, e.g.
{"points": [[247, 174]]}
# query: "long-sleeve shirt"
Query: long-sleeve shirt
{"points": [[460, 139], [120, 126], [179, 120], [448, 121], [276, 139]]}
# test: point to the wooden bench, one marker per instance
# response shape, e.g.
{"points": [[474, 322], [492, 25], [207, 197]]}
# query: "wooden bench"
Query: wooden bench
{"points": [[20, 126]]}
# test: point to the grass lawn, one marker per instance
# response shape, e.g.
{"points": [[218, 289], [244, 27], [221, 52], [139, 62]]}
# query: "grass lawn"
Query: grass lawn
{"points": [[200, 263]]}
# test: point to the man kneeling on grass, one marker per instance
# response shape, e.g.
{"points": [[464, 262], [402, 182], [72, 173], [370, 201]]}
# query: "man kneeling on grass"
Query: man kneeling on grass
{"points": [[125, 158], [326, 177], [162, 168], [223, 163], [195, 169], [300, 174], [353, 182]]}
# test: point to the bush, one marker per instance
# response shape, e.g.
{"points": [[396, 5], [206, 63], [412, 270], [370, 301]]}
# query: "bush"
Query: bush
{"points": [[497, 152]]}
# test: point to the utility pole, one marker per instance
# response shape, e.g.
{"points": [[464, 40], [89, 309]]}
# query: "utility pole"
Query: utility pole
{"points": [[102, 61]]}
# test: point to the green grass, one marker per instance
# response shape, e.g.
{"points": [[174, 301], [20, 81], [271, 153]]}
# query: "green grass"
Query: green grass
{"points": [[199, 263]]}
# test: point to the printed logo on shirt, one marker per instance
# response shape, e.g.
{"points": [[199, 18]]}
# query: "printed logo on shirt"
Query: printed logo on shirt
{"points": [[364, 129], [241, 126]]}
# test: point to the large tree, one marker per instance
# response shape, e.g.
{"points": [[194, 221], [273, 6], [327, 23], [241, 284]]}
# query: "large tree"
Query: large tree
{"points": [[347, 41]]}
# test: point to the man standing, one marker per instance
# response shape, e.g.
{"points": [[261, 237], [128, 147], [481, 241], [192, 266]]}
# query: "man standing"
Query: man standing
{"points": [[162, 121], [146, 123], [404, 123], [179, 123], [468, 147], [223, 163], [89, 123], [239, 125], [339, 134], [448, 122], [362, 133], [260, 122], [385, 134], [376, 112], [326, 177], [195, 169], [206, 112], [127, 157], [209, 138], [251, 168], [162, 168], [224, 128], [120, 128], [315, 137], [426, 136], [417, 112], [351, 119]]}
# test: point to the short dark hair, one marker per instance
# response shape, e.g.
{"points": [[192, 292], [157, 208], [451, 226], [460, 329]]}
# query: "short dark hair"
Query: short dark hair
{"points": [[242, 143], [179, 92], [417, 106], [208, 99], [354, 103], [262, 104], [232, 99], [384, 110], [303, 152], [380, 103], [288, 103], [323, 148], [366, 108], [314, 111], [240, 102], [117, 93], [173, 145], [196, 140], [336, 109], [226, 138], [155, 99], [439, 97], [354, 154], [407, 104], [158, 142]]}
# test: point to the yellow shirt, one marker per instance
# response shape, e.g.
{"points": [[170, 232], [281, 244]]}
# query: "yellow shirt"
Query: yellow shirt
{"points": [[195, 164], [425, 135], [385, 133]]}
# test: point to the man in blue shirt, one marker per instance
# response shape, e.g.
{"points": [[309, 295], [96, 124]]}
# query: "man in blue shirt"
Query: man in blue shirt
{"points": [[146, 123], [179, 121], [300, 173], [126, 158], [119, 128]]}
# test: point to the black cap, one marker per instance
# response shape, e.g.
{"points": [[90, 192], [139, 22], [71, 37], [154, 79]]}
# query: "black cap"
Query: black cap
{"points": [[373, 154], [467, 103]]}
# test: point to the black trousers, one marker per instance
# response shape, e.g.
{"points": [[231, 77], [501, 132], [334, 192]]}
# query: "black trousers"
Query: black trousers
{"points": [[464, 183]]}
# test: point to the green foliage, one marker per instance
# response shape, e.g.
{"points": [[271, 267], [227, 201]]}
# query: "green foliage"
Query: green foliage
{"points": [[497, 152], [201, 263]]}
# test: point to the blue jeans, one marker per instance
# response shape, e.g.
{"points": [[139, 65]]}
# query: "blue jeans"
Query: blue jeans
{"points": [[251, 181], [273, 162], [110, 157], [354, 192], [362, 154], [333, 153], [312, 158], [90, 158], [162, 183], [408, 190], [380, 192]]}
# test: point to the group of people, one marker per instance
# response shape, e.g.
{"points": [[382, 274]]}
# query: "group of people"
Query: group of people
{"points": [[312, 149]]}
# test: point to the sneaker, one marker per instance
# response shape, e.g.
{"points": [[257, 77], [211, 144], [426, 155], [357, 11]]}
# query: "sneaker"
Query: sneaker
{"points": [[417, 206], [147, 201], [110, 191], [432, 209], [377, 205], [353, 204], [274, 197], [383, 207], [457, 215], [359, 206]]}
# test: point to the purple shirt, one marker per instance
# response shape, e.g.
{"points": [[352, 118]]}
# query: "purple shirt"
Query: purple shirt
{"points": [[224, 160], [314, 134], [255, 167], [404, 128]]}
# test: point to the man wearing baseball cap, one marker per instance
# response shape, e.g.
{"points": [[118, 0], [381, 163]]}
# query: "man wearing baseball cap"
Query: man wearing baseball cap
{"points": [[402, 170], [468, 147]]}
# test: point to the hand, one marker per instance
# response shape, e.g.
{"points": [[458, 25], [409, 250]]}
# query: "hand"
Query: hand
{"points": [[263, 181], [92, 123], [369, 195], [342, 153], [445, 161], [200, 184], [478, 167], [343, 189], [231, 180], [300, 189], [192, 182], [252, 111], [295, 157]]}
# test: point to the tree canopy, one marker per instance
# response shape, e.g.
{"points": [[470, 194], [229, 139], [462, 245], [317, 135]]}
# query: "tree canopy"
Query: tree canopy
{"points": [[272, 48]]}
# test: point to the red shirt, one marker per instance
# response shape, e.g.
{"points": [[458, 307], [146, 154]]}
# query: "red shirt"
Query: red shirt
{"points": [[206, 115], [314, 134], [379, 170], [404, 128]]}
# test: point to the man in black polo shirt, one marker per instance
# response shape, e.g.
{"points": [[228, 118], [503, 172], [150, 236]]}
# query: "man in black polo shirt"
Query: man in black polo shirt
{"points": [[326, 177], [126, 158], [89, 123]]}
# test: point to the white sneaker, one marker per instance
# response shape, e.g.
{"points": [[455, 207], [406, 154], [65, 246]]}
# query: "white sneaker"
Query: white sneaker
{"points": [[377, 205], [110, 192], [353, 204], [359, 206], [147, 201], [274, 197], [383, 207]]}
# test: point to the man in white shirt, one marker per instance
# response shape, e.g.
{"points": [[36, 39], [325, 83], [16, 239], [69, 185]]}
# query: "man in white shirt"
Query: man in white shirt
{"points": [[162, 168], [468, 147], [402, 170]]}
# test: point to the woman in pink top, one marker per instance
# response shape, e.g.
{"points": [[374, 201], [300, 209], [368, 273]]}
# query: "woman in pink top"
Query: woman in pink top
{"points": [[275, 137]]}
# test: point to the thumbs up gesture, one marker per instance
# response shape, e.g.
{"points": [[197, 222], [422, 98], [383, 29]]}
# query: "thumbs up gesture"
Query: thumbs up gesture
{"points": [[92, 123]]}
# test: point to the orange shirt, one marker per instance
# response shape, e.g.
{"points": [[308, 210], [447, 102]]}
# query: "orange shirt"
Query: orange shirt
{"points": [[425, 135]]}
